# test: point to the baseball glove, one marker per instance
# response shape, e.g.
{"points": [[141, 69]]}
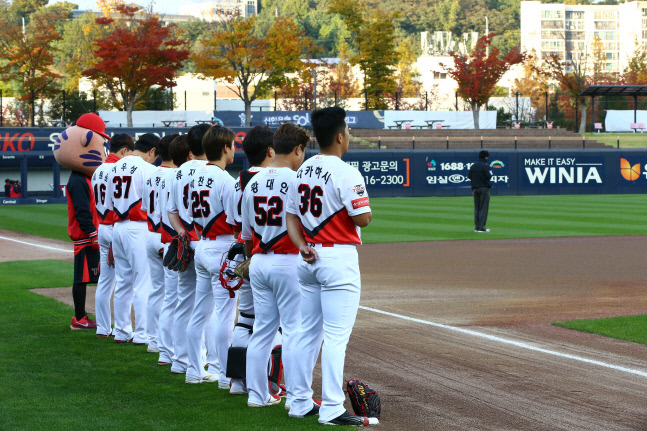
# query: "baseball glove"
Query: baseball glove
{"points": [[242, 269], [364, 399], [179, 254], [111, 257]]}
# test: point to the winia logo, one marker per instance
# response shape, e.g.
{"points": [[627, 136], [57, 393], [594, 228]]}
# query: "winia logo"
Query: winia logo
{"points": [[629, 173]]}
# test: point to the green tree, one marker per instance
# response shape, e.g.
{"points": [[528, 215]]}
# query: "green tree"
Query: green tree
{"points": [[253, 65], [373, 34]]}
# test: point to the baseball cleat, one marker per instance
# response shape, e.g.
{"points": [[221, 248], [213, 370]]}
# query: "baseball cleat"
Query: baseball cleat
{"points": [[313, 412], [123, 341], [350, 419], [237, 392], [207, 378], [152, 350], [274, 399], [162, 363], [102, 336], [82, 324], [223, 386]]}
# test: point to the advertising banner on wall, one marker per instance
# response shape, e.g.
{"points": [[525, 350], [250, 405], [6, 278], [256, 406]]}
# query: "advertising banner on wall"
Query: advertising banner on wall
{"points": [[451, 171], [355, 119], [563, 170]]}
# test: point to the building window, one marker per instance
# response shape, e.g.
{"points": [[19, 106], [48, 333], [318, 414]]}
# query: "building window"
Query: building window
{"points": [[571, 14], [605, 14], [559, 25], [605, 25], [574, 25], [644, 11], [440, 75], [551, 14], [575, 35]]}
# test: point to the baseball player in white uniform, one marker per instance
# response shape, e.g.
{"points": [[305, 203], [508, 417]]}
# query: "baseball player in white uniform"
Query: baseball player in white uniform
{"points": [[180, 215], [124, 195], [121, 144], [179, 153], [327, 205], [273, 267], [258, 146], [210, 198], [154, 245]]}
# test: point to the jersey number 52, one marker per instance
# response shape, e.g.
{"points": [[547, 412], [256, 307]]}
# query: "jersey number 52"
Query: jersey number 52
{"points": [[270, 216]]}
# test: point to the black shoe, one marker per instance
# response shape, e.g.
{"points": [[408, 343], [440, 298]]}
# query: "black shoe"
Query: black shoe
{"points": [[314, 411], [350, 419]]}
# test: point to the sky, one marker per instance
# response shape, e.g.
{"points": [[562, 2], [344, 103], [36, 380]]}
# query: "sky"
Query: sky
{"points": [[159, 6]]}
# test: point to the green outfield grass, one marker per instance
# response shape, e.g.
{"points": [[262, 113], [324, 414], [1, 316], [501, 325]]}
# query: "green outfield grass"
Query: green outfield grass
{"points": [[57, 379], [451, 218], [628, 328], [436, 218], [627, 140]]}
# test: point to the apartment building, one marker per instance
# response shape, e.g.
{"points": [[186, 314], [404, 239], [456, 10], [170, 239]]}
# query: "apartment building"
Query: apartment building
{"points": [[219, 9], [569, 31]]}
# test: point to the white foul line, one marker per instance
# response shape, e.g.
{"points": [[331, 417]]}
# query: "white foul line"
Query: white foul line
{"points": [[511, 342], [37, 245]]}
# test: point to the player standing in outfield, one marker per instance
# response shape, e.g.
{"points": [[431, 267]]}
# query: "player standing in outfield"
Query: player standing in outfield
{"points": [[258, 147], [327, 205], [273, 269], [121, 145], [124, 195], [179, 153], [154, 246], [180, 215], [210, 198]]}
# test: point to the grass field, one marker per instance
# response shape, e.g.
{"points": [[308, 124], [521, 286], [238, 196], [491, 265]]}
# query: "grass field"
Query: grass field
{"points": [[436, 218], [627, 140], [57, 379]]}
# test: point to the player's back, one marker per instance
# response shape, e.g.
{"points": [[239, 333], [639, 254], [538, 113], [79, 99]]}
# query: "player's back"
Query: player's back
{"points": [[328, 193], [264, 210], [179, 199], [126, 185], [100, 180], [151, 197], [160, 211], [211, 201]]}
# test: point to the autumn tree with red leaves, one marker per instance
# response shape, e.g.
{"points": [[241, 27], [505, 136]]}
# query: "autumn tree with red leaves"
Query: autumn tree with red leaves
{"points": [[137, 53], [27, 57], [253, 65], [478, 72]]}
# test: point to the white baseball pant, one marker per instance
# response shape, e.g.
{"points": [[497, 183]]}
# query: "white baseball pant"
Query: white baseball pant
{"points": [[277, 297], [183, 310], [330, 291], [106, 284], [167, 315], [156, 293], [210, 297], [133, 280]]}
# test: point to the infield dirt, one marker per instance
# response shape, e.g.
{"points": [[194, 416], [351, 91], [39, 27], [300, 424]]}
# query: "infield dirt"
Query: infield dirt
{"points": [[437, 378]]}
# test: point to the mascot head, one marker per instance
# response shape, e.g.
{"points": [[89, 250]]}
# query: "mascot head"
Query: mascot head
{"points": [[82, 147]]}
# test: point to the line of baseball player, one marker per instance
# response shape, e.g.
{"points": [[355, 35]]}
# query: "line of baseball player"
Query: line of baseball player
{"points": [[300, 224]]}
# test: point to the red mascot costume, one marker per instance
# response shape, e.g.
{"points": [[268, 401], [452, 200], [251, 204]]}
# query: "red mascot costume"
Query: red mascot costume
{"points": [[82, 148]]}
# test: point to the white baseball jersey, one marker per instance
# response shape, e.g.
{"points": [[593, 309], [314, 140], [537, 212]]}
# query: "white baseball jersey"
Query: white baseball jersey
{"points": [[211, 201], [326, 193], [125, 187], [100, 186], [151, 197], [263, 211], [160, 212], [243, 179], [178, 202]]}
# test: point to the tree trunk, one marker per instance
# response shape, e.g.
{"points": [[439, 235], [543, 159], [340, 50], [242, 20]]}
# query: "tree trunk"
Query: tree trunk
{"points": [[475, 114], [583, 117], [129, 114], [248, 112]]}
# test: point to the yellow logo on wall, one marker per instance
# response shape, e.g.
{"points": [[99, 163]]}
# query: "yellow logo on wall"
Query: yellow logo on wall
{"points": [[629, 173]]}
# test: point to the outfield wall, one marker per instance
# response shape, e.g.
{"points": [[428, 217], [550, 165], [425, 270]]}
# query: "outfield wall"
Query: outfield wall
{"points": [[25, 154]]}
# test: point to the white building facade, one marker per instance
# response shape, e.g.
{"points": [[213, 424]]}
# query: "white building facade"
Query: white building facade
{"points": [[569, 31], [219, 9]]}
